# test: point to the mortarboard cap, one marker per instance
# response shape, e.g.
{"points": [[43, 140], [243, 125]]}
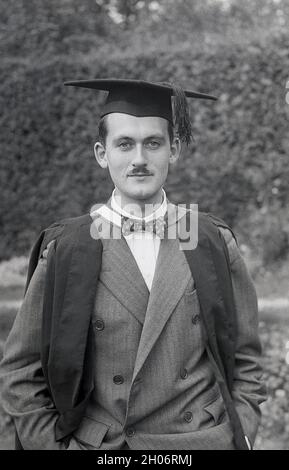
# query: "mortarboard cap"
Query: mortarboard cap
{"points": [[142, 98]]}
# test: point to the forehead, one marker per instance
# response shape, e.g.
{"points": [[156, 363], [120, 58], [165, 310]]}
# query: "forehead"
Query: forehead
{"points": [[133, 126]]}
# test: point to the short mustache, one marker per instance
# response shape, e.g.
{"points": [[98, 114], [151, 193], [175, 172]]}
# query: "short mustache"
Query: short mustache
{"points": [[137, 171]]}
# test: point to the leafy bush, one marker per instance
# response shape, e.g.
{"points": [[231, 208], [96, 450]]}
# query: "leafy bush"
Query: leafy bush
{"points": [[237, 167]]}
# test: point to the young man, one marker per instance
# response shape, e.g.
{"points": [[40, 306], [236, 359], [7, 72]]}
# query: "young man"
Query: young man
{"points": [[127, 338]]}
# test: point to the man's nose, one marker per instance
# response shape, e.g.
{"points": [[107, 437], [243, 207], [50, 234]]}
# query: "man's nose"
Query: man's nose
{"points": [[139, 156]]}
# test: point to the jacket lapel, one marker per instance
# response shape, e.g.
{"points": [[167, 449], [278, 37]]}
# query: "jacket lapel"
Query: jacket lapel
{"points": [[121, 275], [170, 280], [120, 272]]}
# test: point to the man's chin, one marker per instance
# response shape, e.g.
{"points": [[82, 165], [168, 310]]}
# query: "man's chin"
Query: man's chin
{"points": [[142, 193]]}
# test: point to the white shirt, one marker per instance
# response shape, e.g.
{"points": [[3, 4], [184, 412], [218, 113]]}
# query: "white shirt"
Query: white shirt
{"points": [[143, 245]]}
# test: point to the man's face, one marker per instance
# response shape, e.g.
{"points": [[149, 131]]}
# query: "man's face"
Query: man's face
{"points": [[137, 153]]}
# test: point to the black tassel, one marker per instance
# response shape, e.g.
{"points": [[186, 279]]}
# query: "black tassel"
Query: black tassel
{"points": [[182, 115], [182, 121]]}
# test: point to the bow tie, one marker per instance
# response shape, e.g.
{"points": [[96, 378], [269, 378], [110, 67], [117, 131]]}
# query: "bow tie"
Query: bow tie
{"points": [[156, 226]]}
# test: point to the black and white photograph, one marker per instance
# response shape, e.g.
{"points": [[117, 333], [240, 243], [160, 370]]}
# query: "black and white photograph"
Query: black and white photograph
{"points": [[144, 248]]}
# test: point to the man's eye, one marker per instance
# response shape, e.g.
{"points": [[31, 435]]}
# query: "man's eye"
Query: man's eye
{"points": [[124, 145], [153, 144]]}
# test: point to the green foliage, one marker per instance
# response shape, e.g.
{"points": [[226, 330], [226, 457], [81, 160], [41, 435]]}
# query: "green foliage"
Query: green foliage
{"points": [[40, 28], [238, 164]]}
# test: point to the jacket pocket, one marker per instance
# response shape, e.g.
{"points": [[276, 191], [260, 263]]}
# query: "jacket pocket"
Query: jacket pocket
{"points": [[91, 431], [216, 409]]}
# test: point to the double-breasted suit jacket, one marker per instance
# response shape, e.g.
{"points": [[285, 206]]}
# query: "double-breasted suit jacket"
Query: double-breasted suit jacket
{"points": [[154, 384]]}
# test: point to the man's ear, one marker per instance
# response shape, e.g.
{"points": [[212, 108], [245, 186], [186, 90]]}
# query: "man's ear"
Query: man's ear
{"points": [[175, 150], [100, 154]]}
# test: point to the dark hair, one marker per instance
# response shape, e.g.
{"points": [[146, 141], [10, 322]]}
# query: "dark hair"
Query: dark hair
{"points": [[102, 130]]}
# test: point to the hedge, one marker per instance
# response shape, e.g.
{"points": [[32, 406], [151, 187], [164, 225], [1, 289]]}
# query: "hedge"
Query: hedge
{"points": [[237, 166]]}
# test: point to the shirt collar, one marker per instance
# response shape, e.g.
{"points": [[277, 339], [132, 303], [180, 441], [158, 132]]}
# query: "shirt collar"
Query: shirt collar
{"points": [[160, 212]]}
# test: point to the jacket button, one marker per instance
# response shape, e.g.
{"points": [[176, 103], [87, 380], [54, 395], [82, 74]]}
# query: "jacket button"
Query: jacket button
{"points": [[195, 319], [118, 379], [99, 324], [188, 416], [130, 432], [184, 373]]}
